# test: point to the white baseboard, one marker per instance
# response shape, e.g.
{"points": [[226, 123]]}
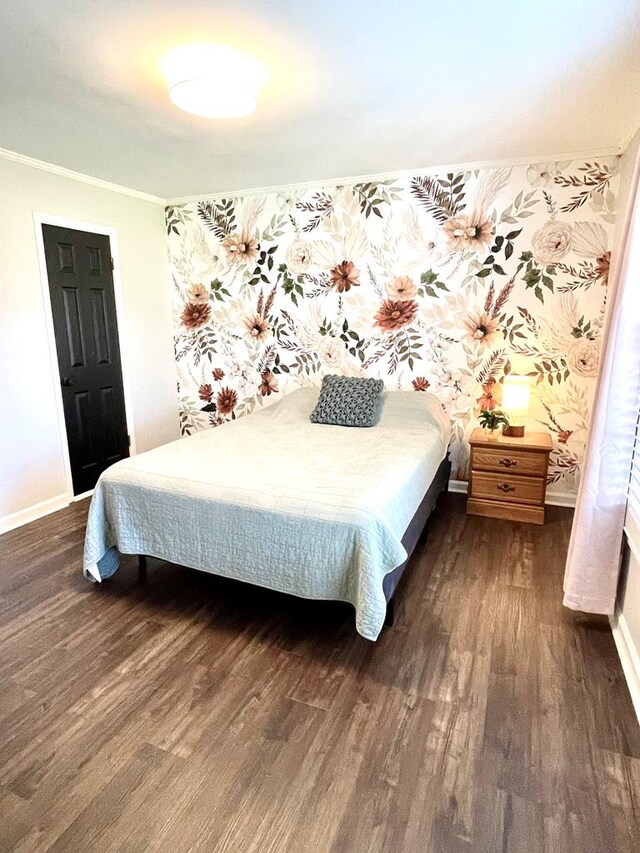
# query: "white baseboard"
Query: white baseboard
{"points": [[561, 498], [553, 498], [629, 657], [458, 486], [31, 513]]}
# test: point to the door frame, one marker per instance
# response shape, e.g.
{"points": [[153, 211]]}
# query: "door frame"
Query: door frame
{"points": [[40, 219]]}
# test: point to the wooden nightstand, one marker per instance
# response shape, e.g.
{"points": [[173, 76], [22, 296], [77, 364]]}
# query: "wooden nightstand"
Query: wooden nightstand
{"points": [[508, 476]]}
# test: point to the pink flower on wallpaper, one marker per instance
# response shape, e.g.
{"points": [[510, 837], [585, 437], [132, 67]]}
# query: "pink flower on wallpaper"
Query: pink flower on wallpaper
{"points": [[268, 384], [474, 231], [198, 294], [344, 276], [480, 328], [226, 401], [205, 392], [241, 248], [487, 400], [195, 315], [256, 327], [402, 288], [393, 315]]}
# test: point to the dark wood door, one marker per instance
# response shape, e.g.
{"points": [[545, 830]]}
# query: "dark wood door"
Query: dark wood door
{"points": [[84, 319]]}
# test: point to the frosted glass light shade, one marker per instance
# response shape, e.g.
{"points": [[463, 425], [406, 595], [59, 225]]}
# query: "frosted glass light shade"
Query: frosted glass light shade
{"points": [[516, 392], [213, 80]]}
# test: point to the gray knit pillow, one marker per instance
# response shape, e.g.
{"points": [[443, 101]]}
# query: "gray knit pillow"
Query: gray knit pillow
{"points": [[348, 401]]}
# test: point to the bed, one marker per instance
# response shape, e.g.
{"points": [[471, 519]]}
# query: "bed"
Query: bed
{"points": [[313, 510]]}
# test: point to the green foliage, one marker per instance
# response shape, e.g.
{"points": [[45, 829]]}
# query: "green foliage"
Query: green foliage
{"points": [[263, 266], [407, 348], [535, 276], [501, 243], [583, 329], [279, 366], [491, 419], [290, 286], [521, 208], [305, 362], [552, 369], [189, 415], [326, 328], [205, 345], [218, 290], [453, 186], [442, 198], [175, 215], [219, 217], [372, 195], [354, 343], [429, 281], [510, 328], [274, 229]]}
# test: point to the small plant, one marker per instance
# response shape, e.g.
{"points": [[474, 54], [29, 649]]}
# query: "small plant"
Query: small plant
{"points": [[491, 419]]}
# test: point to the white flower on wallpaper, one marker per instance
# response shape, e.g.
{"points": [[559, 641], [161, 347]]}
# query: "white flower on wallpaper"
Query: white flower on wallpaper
{"points": [[441, 283], [551, 243]]}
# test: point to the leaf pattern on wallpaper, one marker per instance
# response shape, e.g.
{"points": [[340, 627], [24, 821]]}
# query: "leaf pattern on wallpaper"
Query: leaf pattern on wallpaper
{"points": [[440, 283]]}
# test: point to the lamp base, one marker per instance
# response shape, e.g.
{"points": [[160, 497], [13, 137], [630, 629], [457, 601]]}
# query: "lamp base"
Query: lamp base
{"points": [[513, 431]]}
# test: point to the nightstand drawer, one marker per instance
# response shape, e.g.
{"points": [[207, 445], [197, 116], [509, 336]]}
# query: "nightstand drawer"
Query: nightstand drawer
{"points": [[510, 489], [514, 461]]}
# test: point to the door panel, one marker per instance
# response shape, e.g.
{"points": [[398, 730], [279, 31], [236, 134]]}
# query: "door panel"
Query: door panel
{"points": [[72, 324], [66, 258], [110, 427], [100, 326], [84, 320], [83, 423]]}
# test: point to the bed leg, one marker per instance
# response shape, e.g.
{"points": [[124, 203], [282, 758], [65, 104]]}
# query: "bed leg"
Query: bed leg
{"points": [[142, 567], [388, 619]]}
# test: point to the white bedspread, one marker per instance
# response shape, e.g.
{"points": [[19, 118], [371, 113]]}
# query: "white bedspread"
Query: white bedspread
{"points": [[313, 510]]}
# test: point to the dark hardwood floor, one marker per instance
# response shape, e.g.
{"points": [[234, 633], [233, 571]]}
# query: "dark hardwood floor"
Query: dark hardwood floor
{"points": [[193, 713]]}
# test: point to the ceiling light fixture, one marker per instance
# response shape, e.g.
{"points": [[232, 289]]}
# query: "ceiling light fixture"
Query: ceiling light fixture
{"points": [[213, 80]]}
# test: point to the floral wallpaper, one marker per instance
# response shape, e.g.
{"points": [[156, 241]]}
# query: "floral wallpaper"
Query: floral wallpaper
{"points": [[442, 283]]}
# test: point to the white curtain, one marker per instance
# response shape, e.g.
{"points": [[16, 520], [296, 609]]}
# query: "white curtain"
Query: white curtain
{"points": [[591, 576]]}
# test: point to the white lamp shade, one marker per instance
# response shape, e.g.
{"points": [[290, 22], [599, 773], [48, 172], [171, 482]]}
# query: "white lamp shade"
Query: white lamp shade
{"points": [[516, 392], [213, 80]]}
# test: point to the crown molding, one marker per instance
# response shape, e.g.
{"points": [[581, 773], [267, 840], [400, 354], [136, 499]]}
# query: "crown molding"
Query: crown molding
{"points": [[399, 174], [610, 151], [23, 160]]}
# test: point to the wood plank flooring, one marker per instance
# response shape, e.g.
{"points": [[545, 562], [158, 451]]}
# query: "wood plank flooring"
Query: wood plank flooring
{"points": [[193, 713]]}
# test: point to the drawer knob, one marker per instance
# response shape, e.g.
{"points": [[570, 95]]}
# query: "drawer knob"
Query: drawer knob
{"points": [[506, 487], [507, 462]]}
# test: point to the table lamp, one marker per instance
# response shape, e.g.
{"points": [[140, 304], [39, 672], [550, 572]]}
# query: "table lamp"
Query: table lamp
{"points": [[515, 402]]}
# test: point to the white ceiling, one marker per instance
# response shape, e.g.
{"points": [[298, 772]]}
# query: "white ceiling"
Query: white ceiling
{"points": [[356, 86]]}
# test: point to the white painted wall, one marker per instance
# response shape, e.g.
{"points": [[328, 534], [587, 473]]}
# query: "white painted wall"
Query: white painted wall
{"points": [[626, 622], [32, 468]]}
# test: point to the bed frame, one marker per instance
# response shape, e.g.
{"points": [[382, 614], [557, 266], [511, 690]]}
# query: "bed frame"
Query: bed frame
{"points": [[412, 534], [414, 531]]}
